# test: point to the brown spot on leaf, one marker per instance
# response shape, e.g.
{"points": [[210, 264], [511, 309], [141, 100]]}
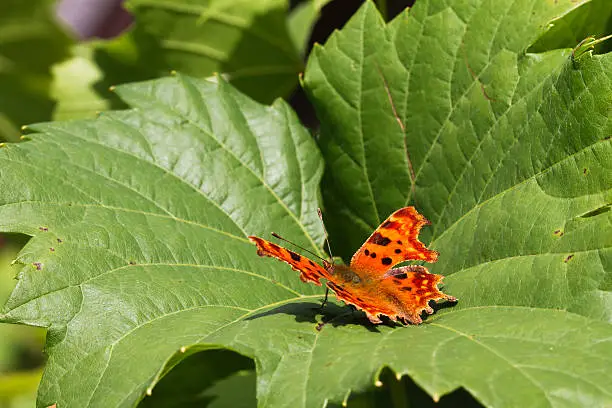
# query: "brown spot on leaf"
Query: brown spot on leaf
{"points": [[43, 229], [568, 258], [37, 265], [558, 233]]}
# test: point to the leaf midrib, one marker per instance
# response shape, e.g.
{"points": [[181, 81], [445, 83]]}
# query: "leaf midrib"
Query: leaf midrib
{"points": [[144, 265]]}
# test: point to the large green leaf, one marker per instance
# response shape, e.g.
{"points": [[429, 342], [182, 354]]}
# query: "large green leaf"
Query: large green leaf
{"points": [[139, 258], [30, 43], [507, 153], [163, 196]]}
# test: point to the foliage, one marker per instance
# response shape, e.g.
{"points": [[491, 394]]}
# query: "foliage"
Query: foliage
{"points": [[257, 45], [25, 76], [139, 265]]}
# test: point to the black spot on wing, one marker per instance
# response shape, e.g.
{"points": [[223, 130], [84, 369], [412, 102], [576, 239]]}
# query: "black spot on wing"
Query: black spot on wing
{"points": [[386, 261], [379, 239], [295, 256]]}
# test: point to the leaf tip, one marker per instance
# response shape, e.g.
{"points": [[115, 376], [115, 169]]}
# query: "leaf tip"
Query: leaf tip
{"points": [[149, 391], [346, 398], [378, 383], [436, 397], [112, 88], [183, 349]]}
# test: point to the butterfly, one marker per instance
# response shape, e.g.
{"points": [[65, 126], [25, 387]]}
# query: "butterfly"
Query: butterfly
{"points": [[370, 282]]}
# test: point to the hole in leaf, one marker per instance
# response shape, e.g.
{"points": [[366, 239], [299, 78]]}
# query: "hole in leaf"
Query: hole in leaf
{"points": [[222, 376]]}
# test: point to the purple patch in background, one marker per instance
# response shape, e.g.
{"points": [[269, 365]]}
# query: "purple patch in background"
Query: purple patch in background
{"points": [[94, 18]]}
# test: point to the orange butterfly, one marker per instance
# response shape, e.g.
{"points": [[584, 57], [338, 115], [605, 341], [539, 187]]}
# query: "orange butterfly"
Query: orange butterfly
{"points": [[371, 283]]}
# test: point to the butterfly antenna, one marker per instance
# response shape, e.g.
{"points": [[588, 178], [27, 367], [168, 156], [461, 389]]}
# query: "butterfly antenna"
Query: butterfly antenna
{"points": [[331, 257], [275, 235]]}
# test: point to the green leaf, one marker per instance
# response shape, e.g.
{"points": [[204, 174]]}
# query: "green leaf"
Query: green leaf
{"points": [[505, 152], [301, 21], [152, 213], [30, 43], [247, 41], [139, 258], [592, 18], [74, 86]]}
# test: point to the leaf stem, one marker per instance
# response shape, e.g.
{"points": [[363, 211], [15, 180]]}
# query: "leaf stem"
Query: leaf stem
{"points": [[602, 39], [588, 44]]}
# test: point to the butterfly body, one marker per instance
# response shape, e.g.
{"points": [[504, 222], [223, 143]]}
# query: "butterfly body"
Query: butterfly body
{"points": [[370, 282]]}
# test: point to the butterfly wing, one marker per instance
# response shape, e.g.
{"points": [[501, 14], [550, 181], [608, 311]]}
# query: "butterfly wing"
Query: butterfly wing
{"points": [[394, 241], [406, 291], [309, 270]]}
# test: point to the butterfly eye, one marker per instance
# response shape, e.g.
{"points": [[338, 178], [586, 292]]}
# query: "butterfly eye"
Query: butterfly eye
{"points": [[356, 279]]}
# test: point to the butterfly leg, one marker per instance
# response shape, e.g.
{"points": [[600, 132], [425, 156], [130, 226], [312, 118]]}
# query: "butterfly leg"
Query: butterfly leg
{"points": [[324, 300]]}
